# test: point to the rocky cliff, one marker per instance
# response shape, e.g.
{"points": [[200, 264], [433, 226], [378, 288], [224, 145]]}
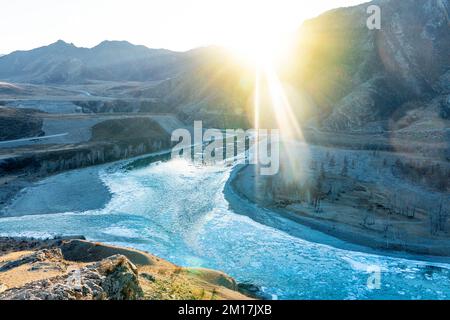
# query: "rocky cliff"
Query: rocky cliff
{"points": [[111, 140], [61, 158]]}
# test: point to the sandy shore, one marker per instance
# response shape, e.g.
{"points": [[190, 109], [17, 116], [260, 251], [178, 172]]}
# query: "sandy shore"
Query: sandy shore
{"points": [[238, 194], [78, 190], [10, 185]]}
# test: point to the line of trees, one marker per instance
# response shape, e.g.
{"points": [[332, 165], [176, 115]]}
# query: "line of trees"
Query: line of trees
{"points": [[425, 173], [439, 219]]}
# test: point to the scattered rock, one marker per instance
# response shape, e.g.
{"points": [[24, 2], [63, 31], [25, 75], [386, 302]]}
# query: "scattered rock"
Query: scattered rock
{"points": [[8, 244], [148, 277], [252, 291], [45, 255]]}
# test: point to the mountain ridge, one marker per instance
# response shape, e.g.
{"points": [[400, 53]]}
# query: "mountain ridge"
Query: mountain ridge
{"points": [[348, 77], [62, 62]]}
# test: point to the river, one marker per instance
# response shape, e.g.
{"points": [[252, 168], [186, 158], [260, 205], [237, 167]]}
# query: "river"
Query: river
{"points": [[179, 212]]}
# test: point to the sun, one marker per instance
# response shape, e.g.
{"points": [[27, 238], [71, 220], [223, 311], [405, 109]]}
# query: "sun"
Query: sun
{"points": [[255, 52], [260, 50], [261, 31]]}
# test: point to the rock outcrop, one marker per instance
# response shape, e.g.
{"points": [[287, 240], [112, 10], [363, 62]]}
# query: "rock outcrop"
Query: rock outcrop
{"points": [[75, 269], [114, 278], [36, 257]]}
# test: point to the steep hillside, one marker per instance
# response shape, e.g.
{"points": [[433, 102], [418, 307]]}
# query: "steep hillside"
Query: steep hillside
{"points": [[341, 76], [217, 89], [355, 76]]}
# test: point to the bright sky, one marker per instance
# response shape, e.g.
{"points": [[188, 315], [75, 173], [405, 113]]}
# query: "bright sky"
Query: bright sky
{"points": [[173, 24]]}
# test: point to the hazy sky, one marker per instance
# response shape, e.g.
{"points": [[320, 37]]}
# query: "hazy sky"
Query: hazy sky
{"points": [[172, 24]]}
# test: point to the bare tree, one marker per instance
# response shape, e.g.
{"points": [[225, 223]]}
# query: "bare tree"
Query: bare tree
{"points": [[344, 171], [442, 216], [332, 162], [368, 221], [322, 171], [438, 219]]}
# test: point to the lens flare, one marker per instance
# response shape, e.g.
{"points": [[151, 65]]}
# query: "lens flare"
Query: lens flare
{"points": [[268, 86]]}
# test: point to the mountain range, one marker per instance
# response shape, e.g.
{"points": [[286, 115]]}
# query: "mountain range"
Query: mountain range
{"points": [[64, 63], [341, 75]]}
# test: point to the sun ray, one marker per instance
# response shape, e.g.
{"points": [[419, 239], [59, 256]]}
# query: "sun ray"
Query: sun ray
{"points": [[292, 162]]}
